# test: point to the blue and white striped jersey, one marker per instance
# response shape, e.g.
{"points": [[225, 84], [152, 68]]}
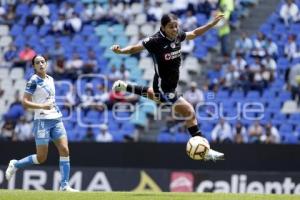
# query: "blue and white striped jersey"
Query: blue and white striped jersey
{"points": [[42, 91]]}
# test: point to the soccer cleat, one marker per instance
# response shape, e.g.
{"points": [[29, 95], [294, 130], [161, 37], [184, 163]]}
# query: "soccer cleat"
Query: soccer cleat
{"points": [[214, 155], [119, 86], [67, 188], [11, 170]]}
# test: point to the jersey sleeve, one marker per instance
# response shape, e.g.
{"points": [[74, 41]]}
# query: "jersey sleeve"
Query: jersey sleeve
{"points": [[181, 35], [149, 43], [30, 86]]}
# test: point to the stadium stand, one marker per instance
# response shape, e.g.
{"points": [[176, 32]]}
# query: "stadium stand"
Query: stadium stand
{"points": [[76, 36]]}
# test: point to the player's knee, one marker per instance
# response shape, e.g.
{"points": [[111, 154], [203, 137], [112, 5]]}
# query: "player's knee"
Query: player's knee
{"points": [[41, 158], [64, 151]]}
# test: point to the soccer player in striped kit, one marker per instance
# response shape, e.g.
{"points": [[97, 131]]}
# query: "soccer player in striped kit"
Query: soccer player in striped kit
{"points": [[40, 96]]}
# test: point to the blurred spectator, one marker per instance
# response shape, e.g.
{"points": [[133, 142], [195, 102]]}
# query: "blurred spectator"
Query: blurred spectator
{"points": [[271, 48], [154, 11], [124, 73], [73, 24], [104, 135], [74, 64], [87, 98], [88, 12], [15, 110], [179, 6], [270, 65], [226, 7], [22, 130], [27, 53], [102, 94], [222, 132], [243, 44], [2, 13], [58, 26], [239, 62], [206, 7], [255, 131], [271, 135], [215, 76], [70, 97], [294, 82], [256, 76], [90, 64], [89, 135], [25, 56], [194, 95], [11, 55], [187, 47], [231, 79], [99, 12], [189, 22], [40, 13], [240, 133], [59, 68], [7, 131], [259, 45], [57, 51], [289, 12], [67, 9], [10, 15], [290, 48], [114, 74]]}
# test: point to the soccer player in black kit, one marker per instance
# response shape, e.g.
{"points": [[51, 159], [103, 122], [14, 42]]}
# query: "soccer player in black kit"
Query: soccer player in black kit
{"points": [[165, 49]]}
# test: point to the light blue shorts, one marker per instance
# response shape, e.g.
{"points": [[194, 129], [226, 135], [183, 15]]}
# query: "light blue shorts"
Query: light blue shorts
{"points": [[46, 129]]}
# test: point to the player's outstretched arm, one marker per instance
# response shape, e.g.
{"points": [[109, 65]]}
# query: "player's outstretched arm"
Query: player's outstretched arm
{"points": [[27, 103], [131, 49], [202, 29]]}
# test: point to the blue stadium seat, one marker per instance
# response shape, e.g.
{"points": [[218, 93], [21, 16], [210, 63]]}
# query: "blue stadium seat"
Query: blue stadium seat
{"points": [[222, 94], [201, 19], [30, 30], [181, 137], [286, 128], [165, 137], [16, 30], [102, 30], [117, 30], [237, 95], [282, 63], [22, 9], [253, 95], [200, 52], [87, 30], [290, 138]]}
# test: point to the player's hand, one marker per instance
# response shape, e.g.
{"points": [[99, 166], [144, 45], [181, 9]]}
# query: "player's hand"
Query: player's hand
{"points": [[116, 48], [217, 18], [47, 106]]}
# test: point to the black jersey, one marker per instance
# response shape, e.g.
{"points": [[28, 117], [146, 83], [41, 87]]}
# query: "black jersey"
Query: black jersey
{"points": [[166, 55]]}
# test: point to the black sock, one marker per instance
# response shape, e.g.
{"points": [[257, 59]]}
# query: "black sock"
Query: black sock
{"points": [[194, 131], [136, 89]]}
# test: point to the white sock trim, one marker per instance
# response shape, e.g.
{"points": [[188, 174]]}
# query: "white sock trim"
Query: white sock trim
{"points": [[35, 160], [65, 159]]}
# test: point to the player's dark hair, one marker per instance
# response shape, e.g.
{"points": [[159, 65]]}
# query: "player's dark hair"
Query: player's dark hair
{"points": [[166, 18], [34, 57]]}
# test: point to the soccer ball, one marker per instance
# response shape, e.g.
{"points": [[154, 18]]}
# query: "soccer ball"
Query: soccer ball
{"points": [[197, 147]]}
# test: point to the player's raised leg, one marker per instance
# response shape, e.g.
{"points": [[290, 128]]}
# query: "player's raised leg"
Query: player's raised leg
{"points": [[186, 110], [39, 158], [121, 86]]}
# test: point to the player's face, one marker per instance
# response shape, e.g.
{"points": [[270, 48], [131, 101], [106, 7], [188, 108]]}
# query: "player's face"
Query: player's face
{"points": [[171, 29], [40, 65]]}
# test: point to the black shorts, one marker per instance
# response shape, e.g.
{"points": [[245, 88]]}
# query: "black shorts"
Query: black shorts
{"points": [[164, 92]]}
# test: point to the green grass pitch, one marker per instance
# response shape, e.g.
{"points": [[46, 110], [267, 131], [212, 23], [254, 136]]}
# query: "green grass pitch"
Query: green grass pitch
{"points": [[47, 195]]}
